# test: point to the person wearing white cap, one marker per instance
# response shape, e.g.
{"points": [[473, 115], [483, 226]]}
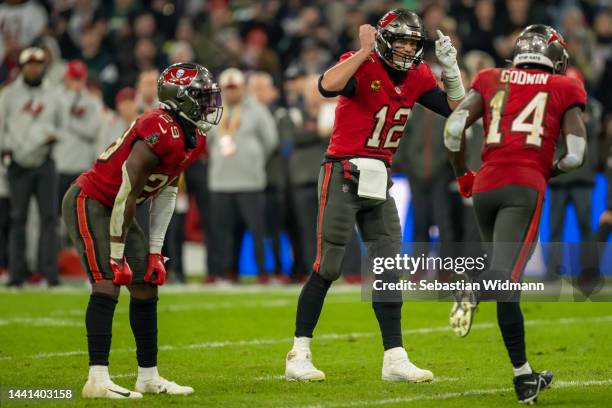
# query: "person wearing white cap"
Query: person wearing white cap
{"points": [[239, 149], [30, 118]]}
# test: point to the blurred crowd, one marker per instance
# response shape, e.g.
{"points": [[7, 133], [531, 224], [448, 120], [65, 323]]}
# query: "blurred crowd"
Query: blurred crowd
{"points": [[101, 63]]}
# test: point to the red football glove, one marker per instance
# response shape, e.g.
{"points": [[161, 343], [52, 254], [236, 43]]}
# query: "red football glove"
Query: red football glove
{"points": [[156, 271], [122, 274], [466, 182]]}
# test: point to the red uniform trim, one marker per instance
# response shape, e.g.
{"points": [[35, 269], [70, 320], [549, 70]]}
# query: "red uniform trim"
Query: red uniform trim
{"points": [[86, 236], [531, 235], [322, 203], [346, 167]]}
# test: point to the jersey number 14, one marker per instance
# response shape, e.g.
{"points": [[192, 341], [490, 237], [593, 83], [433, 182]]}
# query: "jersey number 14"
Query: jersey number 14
{"points": [[530, 119]]}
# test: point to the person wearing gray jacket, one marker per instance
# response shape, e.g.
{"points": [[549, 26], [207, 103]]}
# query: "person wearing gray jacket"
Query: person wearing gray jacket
{"points": [[30, 119], [81, 112], [239, 149]]}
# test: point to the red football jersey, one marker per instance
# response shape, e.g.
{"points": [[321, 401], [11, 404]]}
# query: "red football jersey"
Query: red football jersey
{"points": [[371, 123], [163, 134], [523, 113]]}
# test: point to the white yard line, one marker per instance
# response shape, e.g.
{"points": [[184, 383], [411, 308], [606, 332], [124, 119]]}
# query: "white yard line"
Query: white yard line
{"points": [[449, 395], [327, 336], [40, 322], [282, 377]]}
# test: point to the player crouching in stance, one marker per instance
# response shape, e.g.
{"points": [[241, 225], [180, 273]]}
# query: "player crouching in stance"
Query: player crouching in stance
{"points": [[377, 90], [145, 162], [524, 109]]}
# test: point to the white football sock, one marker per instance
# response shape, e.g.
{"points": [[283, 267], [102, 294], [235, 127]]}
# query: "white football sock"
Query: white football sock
{"points": [[301, 343], [147, 373], [98, 373], [522, 370]]}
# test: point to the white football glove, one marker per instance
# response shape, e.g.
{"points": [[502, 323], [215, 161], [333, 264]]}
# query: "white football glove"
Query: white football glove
{"points": [[451, 76], [446, 54]]}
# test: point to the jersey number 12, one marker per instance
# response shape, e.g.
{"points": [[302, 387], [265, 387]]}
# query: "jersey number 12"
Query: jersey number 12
{"points": [[394, 133]]}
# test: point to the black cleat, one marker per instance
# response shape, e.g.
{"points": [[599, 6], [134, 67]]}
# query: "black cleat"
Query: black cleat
{"points": [[528, 386]]}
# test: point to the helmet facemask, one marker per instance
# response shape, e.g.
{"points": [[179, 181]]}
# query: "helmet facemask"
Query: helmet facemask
{"points": [[203, 108], [397, 59]]}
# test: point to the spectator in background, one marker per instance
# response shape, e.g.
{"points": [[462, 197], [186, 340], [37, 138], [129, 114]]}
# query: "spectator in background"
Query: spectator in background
{"points": [[576, 188], [30, 116], [467, 230], [239, 149], [181, 51], [261, 87], [5, 222], [481, 28], [605, 220], [56, 66], [70, 22], [256, 56], [476, 61], [288, 119], [309, 144], [99, 62], [146, 90], [422, 157], [21, 22], [313, 58], [81, 122], [117, 124]]}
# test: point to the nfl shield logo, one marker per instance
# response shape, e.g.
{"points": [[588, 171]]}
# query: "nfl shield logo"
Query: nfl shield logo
{"points": [[398, 90]]}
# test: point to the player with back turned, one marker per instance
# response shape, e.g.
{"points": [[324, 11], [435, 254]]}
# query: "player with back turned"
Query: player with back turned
{"points": [[377, 87], [142, 166], [524, 108]]}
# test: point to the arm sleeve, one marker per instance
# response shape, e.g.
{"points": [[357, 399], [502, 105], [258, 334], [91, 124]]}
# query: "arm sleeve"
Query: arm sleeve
{"points": [[349, 90], [435, 100], [162, 209]]}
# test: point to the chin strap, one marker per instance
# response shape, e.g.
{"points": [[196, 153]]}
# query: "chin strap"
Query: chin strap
{"points": [[172, 106]]}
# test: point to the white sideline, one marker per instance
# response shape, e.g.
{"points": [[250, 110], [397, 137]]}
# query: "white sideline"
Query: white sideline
{"points": [[449, 395], [328, 336]]}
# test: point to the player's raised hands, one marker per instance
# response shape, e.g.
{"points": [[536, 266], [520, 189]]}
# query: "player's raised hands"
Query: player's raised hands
{"points": [[367, 37], [445, 51]]}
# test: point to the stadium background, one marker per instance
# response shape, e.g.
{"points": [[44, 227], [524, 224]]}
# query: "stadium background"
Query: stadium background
{"points": [[119, 40]]}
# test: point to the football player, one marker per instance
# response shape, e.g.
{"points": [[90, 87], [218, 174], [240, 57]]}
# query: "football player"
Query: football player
{"points": [[377, 87], [524, 108], [144, 163]]}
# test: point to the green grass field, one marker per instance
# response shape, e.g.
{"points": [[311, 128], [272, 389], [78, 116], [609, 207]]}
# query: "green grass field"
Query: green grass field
{"points": [[230, 346]]}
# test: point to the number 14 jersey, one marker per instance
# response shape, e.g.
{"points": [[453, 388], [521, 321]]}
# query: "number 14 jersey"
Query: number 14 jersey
{"points": [[523, 114], [164, 136], [371, 123]]}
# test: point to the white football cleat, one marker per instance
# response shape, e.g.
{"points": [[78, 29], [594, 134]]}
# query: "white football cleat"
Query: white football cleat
{"points": [[105, 388], [299, 367], [462, 313], [159, 385], [397, 367]]}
